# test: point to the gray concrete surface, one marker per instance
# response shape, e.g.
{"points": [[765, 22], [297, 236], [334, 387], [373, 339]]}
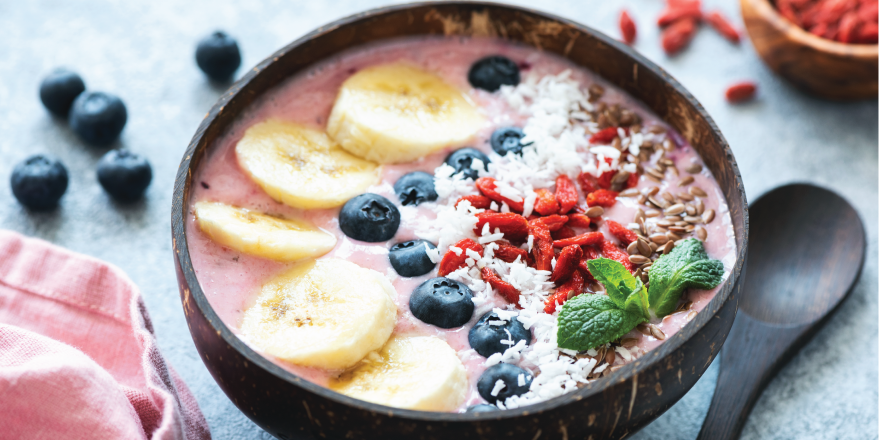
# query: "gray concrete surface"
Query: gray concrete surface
{"points": [[143, 51]]}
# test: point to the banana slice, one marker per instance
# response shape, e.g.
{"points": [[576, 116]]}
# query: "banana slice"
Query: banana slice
{"points": [[395, 113], [301, 167], [327, 314], [420, 372], [262, 235]]}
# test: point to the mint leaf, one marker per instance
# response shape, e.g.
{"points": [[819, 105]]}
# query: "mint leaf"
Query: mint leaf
{"points": [[618, 282], [687, 266], [637, 301], [588, 321]]}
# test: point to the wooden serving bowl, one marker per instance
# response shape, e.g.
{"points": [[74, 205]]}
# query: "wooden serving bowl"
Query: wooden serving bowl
{"points": [[821, 67], [610, 408]]}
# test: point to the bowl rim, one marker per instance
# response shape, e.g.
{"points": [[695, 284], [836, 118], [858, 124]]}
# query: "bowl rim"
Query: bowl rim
{"points": [[771, 15], [193, 291]]}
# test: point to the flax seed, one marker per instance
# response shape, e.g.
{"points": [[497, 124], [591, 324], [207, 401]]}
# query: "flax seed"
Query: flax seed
{"points": [[674, 209], [633, 248], [644, 248], [685, 196], [650, 191], [668, 248], [659, 238], [640, 214], [643, 329], [668, 197], [693, 219], [656, 332], [654, 247], [686, 181], [609, 356], [691, 315], [594, 211], [700, 207], [701, 233], [678, 229], [673, 236], [691, 210], [694, 168], [642, 200], [638, 259], [651, 213], [629, 342], [697, 191], [630, 192], [708, 216]]}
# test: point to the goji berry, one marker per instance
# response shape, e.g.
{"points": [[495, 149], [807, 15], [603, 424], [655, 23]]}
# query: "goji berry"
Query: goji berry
{"points": [[846, 33], [623, 234], [602, 197], [633, 180], [479, 202], [512, 225], [611, 251], [590, 253], [509, 253], [566, 194], [487, 185], [542, 246], [604, 136], [588, 239], [675, 37], [627, 28], [504, 288], [674, 13], [545, 203], [868, 33], [563, 233], [566, 263], [578, 221], [552, 222], [740, 92], [573, 287], [588, 182], [452, 261], [717, 21], [605, 179]]}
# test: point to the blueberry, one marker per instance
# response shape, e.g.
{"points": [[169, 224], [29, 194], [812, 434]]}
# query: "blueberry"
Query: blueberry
{"points": [[442, 302], [218, 56], [415, 187], [507, 140], [507, 373], [124, 175], [492, 72], [481, 408], [369, 217], [39, 181], [486, 338], [409, 258], [59, 89], [98, 117], [462, 159]]}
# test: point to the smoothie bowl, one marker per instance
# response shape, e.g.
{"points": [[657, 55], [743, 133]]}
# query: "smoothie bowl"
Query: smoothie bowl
{"points": [[457, 219]]}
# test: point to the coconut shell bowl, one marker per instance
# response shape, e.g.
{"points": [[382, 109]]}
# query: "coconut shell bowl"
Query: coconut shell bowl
{"points": [[818, 66], [612, 407]]}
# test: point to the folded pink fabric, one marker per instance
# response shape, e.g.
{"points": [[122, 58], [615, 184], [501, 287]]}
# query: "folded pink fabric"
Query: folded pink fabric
{"points": [[78, 358]]}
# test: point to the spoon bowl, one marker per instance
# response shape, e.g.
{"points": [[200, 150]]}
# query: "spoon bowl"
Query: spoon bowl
{"points": [[806, 250]]}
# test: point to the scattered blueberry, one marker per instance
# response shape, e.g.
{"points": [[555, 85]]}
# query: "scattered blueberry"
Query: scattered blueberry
{"points": [[482, 407], [39, 181], [124, 175], [442, 302], [415, 187], [492, 72], [485, 337], [462, 159], [507, 140], [218, 56], [507, 373], [409, 258], [369, 217], [59, 89], [98, 117]]}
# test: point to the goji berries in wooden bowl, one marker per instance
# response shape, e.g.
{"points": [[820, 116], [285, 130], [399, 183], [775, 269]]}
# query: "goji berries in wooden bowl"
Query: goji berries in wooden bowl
{"points": [[820, 66]]}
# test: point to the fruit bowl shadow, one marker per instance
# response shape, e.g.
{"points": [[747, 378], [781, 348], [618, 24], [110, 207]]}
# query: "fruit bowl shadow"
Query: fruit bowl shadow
{"points": [[610, 408]]}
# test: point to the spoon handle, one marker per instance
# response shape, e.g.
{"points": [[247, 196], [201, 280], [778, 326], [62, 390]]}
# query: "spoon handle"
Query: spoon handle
{"points": [[753, 353]]}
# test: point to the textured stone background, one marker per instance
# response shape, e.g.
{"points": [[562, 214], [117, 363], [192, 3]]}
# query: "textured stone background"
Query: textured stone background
{"points": [[143, 51]]}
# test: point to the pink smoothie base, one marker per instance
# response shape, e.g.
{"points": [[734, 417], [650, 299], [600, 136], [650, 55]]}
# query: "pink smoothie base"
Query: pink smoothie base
{"points": [[232, 280]]}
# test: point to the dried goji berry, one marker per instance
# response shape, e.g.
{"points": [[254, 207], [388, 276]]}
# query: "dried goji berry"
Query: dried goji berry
{"points": [[611, 251], [602, 197], [573, 287], [741, 91], [479, 202], [545, 203], [578, 221], [588, 239], [717, 21], [512, 225], [504, 288], [590, 253], [868, 33], [452, 261], [623, 234], [563, 233], [486, 185], [588, 182], [688, 11], [627, 28], [552, 222], [678, 35], [846, 33], [633, 180], [604, 136], [566, 194], [509, 253], [605, 179], [542, 246], [566, 263]]}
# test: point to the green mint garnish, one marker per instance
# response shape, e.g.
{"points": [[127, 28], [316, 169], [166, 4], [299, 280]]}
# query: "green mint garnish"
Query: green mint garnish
{"points": [[618, 282], [687, 266], [588, 321]]}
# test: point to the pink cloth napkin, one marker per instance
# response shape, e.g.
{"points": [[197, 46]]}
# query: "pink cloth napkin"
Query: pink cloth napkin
{"points": [[78, 358]]}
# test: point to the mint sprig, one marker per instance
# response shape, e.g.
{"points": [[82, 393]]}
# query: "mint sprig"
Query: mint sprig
{"points": [[588, 321]]}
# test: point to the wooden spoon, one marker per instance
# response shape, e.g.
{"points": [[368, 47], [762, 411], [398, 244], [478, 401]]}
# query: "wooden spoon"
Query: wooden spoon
{"points": [[806, 250]]}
